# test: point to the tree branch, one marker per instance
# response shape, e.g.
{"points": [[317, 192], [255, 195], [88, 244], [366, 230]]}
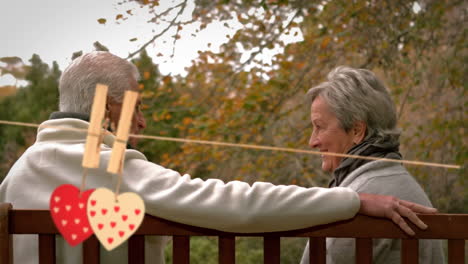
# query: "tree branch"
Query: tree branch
{"points": [[172, 23]]}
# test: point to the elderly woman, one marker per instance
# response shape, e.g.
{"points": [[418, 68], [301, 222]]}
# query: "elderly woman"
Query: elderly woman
{"points": [[353, 113]]}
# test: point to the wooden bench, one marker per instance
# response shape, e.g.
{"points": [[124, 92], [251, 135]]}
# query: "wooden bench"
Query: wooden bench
{"points": [[452, 227]]}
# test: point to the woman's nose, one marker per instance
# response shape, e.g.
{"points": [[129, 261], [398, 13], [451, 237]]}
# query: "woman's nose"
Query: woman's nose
{"points": [[313, 140]]}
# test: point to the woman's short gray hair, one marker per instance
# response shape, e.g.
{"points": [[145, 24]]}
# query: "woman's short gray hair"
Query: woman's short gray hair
{"points": [[358, 95], [79, 80]]}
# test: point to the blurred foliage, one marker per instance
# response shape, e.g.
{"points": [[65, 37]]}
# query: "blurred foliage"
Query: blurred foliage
{"points": [[417, 47], [204, 250], [32, 103]]}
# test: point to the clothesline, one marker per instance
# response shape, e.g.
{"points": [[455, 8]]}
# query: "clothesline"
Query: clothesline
{"points": [[247, 146]]}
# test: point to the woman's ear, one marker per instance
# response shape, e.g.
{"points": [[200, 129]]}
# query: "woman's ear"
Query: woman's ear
{"points": [[359, 132]]}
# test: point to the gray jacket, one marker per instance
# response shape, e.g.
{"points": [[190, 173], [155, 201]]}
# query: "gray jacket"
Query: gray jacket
{"points": [[385, 178]]}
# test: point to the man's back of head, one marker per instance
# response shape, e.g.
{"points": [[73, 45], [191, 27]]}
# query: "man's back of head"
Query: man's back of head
{"points": [[79, 80]]}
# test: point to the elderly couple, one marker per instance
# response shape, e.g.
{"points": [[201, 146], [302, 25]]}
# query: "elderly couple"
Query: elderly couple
{"points": [[351, 112]]}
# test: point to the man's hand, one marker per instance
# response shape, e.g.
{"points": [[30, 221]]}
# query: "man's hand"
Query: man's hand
{"points": [[393, 208]]}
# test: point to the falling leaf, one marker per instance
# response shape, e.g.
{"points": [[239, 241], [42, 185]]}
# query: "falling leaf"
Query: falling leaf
{"points": [[133, 39], [119, 16], [102, 20]]}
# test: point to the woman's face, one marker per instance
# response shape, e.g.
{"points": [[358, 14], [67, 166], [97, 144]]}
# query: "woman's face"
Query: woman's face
{"points": [[328, 135]]}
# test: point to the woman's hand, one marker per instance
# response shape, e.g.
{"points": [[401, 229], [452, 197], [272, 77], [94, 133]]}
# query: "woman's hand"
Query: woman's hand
{"points": [[395, 209]]}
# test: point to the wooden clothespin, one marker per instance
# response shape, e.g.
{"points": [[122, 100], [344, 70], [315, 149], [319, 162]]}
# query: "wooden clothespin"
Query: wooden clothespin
{"points": [[123, 130], [93, 140]]}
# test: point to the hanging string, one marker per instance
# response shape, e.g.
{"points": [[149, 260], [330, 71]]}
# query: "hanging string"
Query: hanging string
{"points": [[83, 179], [248, 146], [119, 178]]}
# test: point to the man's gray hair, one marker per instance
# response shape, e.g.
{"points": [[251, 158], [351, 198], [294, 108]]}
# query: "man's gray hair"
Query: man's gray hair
{"points": [[79, 80], [358, 95]]}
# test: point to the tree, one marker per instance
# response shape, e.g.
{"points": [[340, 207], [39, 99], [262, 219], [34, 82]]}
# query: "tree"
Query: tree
{"points": [[32, 104], [417, 47]]}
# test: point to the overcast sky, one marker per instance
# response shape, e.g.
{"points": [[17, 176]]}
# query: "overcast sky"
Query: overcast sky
{"points": [[55, 29]]}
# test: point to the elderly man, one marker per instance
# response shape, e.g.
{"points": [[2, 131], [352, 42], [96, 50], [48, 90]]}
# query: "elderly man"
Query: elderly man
{"points": [[55, 159], [353, 113]]}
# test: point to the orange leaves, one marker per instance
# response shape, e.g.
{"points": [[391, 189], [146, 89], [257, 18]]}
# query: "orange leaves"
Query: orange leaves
{"points": [[151, 2], [161, 115], [102, 21], [167, 79], [187, 121], [7, 90], [144, 107], [325, 41], [146, 75], [300, 65], [147, 94]]}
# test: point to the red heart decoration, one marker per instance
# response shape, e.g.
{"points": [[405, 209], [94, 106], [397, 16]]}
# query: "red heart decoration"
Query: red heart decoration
{"points": [[68, 210]]}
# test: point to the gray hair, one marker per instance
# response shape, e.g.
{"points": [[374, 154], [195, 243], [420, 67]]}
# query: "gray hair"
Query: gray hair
{"points": [[358, 95], [79, 80]]}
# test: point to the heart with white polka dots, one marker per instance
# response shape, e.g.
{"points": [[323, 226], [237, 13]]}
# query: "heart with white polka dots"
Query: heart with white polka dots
{"points": [[68, 211], [114, 219]]}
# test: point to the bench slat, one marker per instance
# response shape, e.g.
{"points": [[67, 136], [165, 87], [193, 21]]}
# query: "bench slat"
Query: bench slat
{"points": [[409, 251], [181, 250], [91, 253], [46, 249], [227, 249], [456, 251], [317, 250], [271, 250], [364, 250], [136, 249], [6, 241]]}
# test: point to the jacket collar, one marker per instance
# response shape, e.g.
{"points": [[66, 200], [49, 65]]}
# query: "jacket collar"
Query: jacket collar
{"points": [[58, 115], [80, 116]]}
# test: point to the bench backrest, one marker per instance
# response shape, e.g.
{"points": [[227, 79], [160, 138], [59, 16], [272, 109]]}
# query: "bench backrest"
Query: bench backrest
{"points": [[452, 227]]}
